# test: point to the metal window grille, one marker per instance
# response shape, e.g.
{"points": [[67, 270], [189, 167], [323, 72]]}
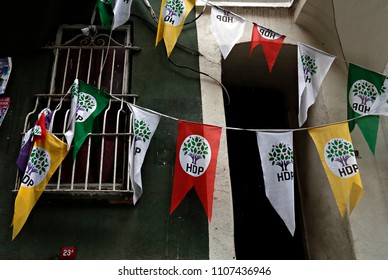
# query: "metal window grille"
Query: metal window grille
{"points": [[103, 59]]}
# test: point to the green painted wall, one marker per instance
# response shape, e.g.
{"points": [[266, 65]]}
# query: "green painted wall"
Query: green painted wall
{"points": [[98, 229]]}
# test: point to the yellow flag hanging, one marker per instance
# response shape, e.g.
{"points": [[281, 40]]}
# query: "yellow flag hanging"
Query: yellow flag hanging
{"points": [[45, 157], [336, 152], [173, 14]]}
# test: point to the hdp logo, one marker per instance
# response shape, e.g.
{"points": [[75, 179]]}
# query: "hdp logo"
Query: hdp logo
{"points": [[37, 167], [282, 155], [142, 132], [195, 155], [340, 157], [37, 130], [173, 12], [309, 67], [268, 34], [366, 94], [86, 105]]}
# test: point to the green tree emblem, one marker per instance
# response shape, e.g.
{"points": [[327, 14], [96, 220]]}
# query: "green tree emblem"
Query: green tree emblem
{"points": [[383, 91], [364, 90], [339, 150], [196, 148], [37, 130], [38, 162], [309, 66], [281, 155], [85, 102], [175, 7], [142, 130]]}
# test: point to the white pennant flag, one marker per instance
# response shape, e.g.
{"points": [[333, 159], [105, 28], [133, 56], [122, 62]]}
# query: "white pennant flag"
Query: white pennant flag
{"points": [[227, 28], [69, 134], [277, 161], [313, 66], [144, 126], [121, 12], [380, 105]]}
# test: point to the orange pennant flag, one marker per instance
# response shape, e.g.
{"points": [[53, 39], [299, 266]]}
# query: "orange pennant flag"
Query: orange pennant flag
{"points": [[195, 163], [270, 41]]}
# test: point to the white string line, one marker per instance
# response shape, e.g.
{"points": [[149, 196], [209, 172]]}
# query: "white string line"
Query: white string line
{"points": [[244, 129]]}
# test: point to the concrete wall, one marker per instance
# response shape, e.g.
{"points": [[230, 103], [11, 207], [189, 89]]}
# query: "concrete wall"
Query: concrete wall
{"points": [[329, 26]]}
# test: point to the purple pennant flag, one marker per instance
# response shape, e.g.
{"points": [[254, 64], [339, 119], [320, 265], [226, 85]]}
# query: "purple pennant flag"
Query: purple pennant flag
{"points": [[27, 142], [24, 153]]}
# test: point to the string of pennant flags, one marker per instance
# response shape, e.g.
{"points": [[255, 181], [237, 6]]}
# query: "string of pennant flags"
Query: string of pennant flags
{"points": [[197, 144], [196, 156]]}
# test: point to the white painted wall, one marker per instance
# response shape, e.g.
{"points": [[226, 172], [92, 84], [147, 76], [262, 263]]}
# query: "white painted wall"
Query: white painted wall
{"points": [[221, 236]]}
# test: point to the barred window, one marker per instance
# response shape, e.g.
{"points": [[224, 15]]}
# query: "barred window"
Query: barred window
{"points": [[101, 58]]}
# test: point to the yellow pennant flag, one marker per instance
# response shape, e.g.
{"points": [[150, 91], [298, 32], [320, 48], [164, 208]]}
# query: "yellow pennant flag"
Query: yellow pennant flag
{"points": [[172, 17], [45, 157], [336, 152]]}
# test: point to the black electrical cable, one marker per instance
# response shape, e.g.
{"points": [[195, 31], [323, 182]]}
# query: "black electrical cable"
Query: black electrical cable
{"points": [[152, 13], [207, 75]]}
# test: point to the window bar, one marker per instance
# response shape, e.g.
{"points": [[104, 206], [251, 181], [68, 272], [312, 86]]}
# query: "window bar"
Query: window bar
{"points": [[126, 125], [116, 145], [126, 90], [63, 85], [126, 62], [118, 113], [54, 71], [89, 136], [104, 122], [103, 145], [129, 185], [73, 174], [78, 62], [54, 113], [65, 72], [88, 162], [26, 122], [62, 138]]}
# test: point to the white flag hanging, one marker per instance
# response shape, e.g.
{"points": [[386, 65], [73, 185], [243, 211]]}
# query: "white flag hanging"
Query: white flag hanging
{"points": [[380, 105], [144, 126], [121, 12], [227, 28], [277, 161], [313, 66], [69, 134]]}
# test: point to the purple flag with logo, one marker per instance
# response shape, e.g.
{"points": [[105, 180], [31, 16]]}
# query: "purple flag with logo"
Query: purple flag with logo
{"points": [[27, 142]]}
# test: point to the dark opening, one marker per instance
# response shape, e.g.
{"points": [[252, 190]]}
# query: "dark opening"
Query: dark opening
{"points": [[260, 233]]}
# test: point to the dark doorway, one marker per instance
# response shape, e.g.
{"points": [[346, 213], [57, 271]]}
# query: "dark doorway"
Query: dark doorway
{"points": [[259, 231]]}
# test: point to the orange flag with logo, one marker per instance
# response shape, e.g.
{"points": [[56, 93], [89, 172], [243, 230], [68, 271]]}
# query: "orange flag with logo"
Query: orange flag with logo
{"points": [[173, 14], [45, 157], [336, 152], [195, 163], [270, 41]]}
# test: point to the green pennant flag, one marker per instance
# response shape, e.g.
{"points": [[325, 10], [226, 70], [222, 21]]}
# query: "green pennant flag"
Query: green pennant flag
{"points": [[363, 88], [106, 12], [86, 104]]}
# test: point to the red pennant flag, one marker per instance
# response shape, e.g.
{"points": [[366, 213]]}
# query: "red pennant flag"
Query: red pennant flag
{"points": [[271, 43], [195, 163], [39, 130]]}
